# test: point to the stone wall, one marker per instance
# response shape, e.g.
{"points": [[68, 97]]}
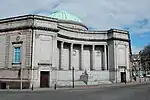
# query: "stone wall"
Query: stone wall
{"points": [[11, 78], [64, 78], [3, 50]]}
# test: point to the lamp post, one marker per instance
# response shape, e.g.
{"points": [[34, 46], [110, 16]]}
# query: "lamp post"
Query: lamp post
{"points": [[55, 80], [72, 77], [20, 76], [125, 75], [145, 71], [116, 75], [140, 70], [139, 75]]}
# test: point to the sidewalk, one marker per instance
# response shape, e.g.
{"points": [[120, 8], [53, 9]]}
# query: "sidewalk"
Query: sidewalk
{"points": [[78, 87], [114, 85]]}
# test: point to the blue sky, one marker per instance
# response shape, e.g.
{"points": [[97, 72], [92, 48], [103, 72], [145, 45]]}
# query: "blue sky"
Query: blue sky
{"points": [[132, 15]]}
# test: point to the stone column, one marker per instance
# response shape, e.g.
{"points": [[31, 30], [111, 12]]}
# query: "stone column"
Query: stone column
{"points": [[81, 56], [70, 54], [93, 57], [61, 55], [54, 49], [105, 57]]}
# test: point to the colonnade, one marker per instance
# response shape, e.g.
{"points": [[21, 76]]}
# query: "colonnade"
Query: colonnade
{"points": [[81, 65]]}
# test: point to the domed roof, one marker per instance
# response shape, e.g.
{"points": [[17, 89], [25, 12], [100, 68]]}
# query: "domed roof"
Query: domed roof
{"points": [[63, 15]]}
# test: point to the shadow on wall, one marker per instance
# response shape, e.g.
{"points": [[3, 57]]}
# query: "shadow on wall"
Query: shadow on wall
{"points": [[84, 77]]}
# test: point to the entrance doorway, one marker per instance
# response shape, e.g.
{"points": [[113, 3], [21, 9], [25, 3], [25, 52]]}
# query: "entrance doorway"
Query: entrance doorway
{"points": [[44, 79], [123, 76], [3, 85]]}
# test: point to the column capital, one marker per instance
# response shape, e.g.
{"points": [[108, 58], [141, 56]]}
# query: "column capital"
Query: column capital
{"points": [[93, 47], [54, 37], [71, 44], [105, 46]]}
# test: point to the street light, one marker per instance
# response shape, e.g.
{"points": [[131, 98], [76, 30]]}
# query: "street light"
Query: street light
{"points": [[116, 75], [140, 67], [124, 74], [55, 81], [20, 76], [145, 67], [72, 77], [139, 75]]}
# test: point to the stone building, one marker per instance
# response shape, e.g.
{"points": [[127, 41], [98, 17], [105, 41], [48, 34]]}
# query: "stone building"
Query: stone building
{"points": [[42, 51]]}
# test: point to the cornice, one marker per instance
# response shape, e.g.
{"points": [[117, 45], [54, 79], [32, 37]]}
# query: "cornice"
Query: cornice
{"points": [[118, 31], [17, 68], [96, 40], [81, 39], [25, 17], [29, 27], [81, 31], [39, 17]]}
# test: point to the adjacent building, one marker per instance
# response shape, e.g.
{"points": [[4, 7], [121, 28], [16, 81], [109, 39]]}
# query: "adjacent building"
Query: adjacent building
{"points": [[42, 51]]}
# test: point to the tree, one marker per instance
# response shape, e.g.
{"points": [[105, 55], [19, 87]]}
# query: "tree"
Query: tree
{"points": [[145, 58]]}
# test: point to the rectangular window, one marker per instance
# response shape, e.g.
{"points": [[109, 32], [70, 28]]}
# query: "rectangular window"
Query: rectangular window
{"points": [[16, 55]]}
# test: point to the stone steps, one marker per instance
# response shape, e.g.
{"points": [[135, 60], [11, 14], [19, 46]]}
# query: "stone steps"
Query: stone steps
{"points": [[81, 83]]}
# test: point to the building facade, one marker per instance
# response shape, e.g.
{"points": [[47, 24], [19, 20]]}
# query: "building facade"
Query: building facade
{"points": [[42, 51]]}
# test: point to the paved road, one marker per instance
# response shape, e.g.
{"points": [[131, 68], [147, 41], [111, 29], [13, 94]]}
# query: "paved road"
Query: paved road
{"points": [[136, 92]]}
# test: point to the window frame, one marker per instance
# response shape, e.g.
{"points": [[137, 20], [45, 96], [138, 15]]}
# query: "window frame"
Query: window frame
{"points": [[17, 55], [16, 44]]}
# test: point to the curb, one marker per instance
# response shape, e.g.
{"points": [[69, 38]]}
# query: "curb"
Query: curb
{"points": [[78, 87]]}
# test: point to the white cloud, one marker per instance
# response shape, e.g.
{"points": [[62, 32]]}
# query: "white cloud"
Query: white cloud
{"points": [[94, 13], [106, 13], [143, 35]]}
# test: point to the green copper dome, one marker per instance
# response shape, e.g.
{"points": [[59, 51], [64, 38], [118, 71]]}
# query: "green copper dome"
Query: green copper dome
{"points": [[63, 15]]}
